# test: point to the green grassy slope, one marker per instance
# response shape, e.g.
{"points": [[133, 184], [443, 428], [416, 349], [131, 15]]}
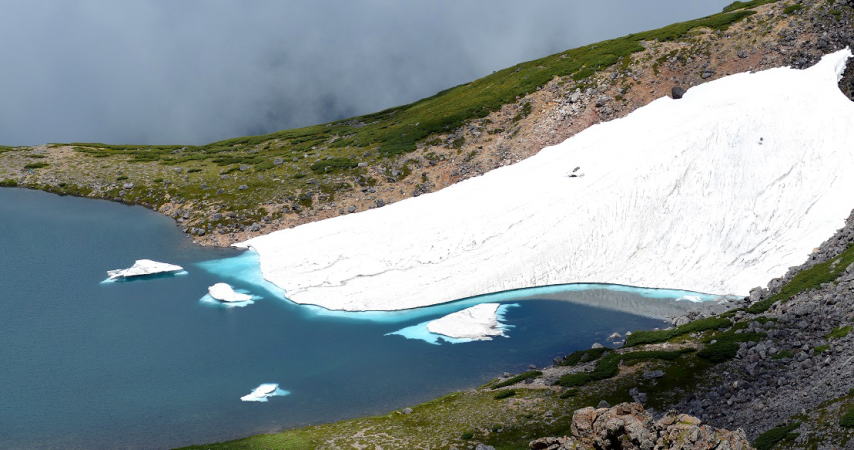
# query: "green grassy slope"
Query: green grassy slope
{"points": [[262, 178], [397, 130]]}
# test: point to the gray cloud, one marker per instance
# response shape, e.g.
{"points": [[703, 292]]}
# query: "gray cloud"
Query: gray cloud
{"points": [[195, 71]]}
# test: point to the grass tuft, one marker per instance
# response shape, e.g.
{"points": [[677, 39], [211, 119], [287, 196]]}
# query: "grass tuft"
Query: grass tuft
{"points": [[504, 394], [748, 4], [609, 366], [518, 378], [847, 419], [655, 336], [582, 356], [770, 438], [808, 279], [839, 333]]}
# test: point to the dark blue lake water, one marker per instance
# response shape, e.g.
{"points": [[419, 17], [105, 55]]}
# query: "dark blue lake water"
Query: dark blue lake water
{"points": [[146, 364]]}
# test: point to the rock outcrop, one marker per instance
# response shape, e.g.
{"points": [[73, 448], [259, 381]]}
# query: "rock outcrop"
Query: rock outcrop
{"points": [[629, 426]]}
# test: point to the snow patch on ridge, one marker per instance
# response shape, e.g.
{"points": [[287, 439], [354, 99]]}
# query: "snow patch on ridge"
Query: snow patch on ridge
{"points": [[717, 192]]}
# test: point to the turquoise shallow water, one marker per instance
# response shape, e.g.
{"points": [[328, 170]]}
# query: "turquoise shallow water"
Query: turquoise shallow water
{"points": [[150, 363]]}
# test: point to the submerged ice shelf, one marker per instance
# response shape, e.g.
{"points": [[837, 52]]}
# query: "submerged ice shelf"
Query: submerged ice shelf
{"points": [[716, 192]]}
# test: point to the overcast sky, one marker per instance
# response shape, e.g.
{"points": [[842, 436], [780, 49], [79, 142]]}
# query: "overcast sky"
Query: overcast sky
{"points": [[195, 71]]}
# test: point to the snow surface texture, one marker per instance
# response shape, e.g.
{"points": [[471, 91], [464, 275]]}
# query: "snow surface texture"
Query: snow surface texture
{"points": [[717, 192], [478, 323], [264, 391], [142, 267], [224, 293]]}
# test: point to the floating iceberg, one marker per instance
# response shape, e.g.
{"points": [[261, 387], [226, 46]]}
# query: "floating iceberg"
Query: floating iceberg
{"points": [[716, 192], [478, 323], [142, 267], [263, 391], [224, 293]]}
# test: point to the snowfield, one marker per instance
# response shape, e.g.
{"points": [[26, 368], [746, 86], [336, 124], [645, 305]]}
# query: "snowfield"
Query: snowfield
{"points": [[717, 192]]}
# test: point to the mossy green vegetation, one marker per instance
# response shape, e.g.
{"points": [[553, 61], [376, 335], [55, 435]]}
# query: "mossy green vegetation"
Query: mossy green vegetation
{"points": [[36, 165], [810, 278], [847, 418], [724, 346], [784, 354], [793, 8], [839, 332], [654, 336], [504, 394], [609, 365], [517, 379], [582, 356], [333, 165], [572, 392], [441, 423], [746, 4], [770, 438]]}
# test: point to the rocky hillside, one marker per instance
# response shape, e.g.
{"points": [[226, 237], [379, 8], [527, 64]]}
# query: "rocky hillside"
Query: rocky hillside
{"points": [[229, 191]]}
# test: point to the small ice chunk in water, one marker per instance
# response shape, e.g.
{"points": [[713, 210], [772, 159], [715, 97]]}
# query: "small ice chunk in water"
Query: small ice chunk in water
{"points": [[143, 267], [479, 323], [225, 293], [262, 392]]}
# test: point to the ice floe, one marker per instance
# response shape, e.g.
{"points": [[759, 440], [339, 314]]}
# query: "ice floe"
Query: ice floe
{"points": [[478, 323], [225, 293], [263, 392], [143, 267], [716, 192]]}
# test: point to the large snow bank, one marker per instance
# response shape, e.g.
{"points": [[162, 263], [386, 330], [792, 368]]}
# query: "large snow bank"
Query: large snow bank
{"points": [[716, 192]]}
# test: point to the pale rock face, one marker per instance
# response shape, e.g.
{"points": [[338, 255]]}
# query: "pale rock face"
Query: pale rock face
{"points": [[225, 293], [716, 192], [478, 323], [143, 267]]}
